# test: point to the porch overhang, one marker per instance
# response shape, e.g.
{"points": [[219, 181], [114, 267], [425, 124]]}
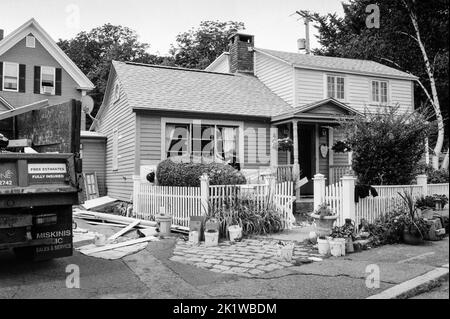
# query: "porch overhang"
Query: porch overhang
{"points": [[325, 111]]}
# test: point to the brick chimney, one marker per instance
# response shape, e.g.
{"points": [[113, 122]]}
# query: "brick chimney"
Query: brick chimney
{"points": [[2, 34], [241, 53]]}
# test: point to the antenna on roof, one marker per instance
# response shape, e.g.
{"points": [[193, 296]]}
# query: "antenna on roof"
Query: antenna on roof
{"points": [[304, 44]]}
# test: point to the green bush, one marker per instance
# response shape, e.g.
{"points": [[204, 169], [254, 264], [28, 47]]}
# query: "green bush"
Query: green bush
{"points": [[387, 145], [170, 173]]}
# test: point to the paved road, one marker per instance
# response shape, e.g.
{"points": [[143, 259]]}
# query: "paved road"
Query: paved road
{"points": [[150, 274]]}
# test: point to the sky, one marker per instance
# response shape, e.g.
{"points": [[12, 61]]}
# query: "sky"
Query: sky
{"points": [[157, 22]]}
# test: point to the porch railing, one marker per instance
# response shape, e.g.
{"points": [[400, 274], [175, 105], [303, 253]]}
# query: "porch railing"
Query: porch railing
{"points": [[337, 172], [284, 173]]}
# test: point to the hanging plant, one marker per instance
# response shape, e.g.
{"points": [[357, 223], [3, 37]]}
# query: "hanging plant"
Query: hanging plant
{"points": [[285, 144], [341, 147]]}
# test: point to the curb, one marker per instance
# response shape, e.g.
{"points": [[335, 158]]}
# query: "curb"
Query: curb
{"points": [[415, 286]]}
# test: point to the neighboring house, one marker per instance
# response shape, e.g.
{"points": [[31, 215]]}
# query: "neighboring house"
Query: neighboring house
{"points": [[33, 68], [241, 104]]}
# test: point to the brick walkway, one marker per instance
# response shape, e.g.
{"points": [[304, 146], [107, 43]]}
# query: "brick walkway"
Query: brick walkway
{"points": [[250, 257]]}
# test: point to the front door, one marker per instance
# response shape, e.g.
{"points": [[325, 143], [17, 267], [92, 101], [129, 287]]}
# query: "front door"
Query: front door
{"points": [[306, 156]]}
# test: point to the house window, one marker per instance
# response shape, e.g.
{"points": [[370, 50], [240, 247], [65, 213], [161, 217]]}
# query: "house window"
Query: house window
{"points": [[30, 42], [115, 150], [379, 91], [336, 87], [10, 76], [48, 80], [202, 143]]}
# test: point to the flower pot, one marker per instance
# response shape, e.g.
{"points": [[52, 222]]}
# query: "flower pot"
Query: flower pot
{"points": [[324, 224], [337, 247], [235, 232], [285, 252], [324, 246], [211, 238], [411, 239], [349, 245]]}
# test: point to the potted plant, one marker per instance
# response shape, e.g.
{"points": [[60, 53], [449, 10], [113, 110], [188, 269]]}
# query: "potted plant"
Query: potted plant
{"points": [[346, 232], [414, 227], [324, 219]]}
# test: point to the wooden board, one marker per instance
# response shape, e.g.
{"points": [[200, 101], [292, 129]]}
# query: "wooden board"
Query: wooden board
{"points": [[98, 202]]}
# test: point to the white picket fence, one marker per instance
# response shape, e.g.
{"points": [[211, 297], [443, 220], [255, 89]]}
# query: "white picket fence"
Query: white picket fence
{"points": [[439, 189], [340, 197], [334, 198], [183, 202], [180, 202]]}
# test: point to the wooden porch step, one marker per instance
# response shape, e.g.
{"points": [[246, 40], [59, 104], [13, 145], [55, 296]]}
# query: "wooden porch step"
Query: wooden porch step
{"points": [[304, 205]]}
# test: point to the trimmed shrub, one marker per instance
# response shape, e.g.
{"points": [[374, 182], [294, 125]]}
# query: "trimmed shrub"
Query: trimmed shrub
{"points": [[170, 173]]}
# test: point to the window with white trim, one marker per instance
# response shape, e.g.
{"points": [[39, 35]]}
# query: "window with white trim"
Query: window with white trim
{"points": [[379, 91], [48, 80], [202, 143], [115, 150], [336, 87], [10, 76]]}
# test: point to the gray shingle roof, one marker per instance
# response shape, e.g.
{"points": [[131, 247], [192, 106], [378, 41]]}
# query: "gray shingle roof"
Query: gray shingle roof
{"points": [[338, 64], [165, 88]]}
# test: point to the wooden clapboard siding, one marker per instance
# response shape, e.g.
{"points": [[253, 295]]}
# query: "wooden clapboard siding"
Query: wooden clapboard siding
{"points": [[94, 155], [32, 57], [310, 86], [256, 144], [149, 143], [119, 115], [278, 76]]}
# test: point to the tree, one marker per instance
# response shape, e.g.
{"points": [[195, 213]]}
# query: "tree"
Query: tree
{"points": [[387, 145], [412, 36], [197, 48], [93, 52]]}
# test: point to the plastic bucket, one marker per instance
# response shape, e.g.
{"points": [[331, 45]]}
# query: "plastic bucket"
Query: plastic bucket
{"points": [[194, 237], [164, 222], [235, 232], [324, 246], [211, 238], [337, 247], [286, 252]]}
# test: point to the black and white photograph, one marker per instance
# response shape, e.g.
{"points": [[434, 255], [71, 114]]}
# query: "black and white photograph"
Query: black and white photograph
{"points": [[224, 157]]}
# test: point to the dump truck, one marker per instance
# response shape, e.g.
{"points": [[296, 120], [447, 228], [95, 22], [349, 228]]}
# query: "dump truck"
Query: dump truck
{"points": [[38, 190]]}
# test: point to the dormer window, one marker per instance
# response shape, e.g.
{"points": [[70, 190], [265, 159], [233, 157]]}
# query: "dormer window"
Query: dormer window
{"points": [[30, 42], [10, 76], [48, 80], [336, 87], [379, 91]]}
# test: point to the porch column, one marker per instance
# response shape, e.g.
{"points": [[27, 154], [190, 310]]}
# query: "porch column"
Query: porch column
{"points": [[296, 166], [274, 148], [330, 154]]}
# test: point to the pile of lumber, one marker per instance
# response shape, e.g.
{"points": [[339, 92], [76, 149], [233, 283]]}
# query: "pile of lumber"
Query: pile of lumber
{"points": [[110, 218]]}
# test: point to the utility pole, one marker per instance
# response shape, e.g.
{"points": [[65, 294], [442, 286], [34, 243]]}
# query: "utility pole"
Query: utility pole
{"points": [[307, 20]]}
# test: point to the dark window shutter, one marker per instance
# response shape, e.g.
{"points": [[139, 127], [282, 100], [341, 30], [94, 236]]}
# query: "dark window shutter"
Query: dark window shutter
{"points": [[1, 76], [37, 80], [58, 83], [22, 73]]}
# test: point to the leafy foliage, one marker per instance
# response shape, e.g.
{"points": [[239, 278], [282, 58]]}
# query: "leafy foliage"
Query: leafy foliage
{"points": [[393, 42], [93, 52], [387, 145], [197, 48], [429, 201], [255, 216], [170, 173]]}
